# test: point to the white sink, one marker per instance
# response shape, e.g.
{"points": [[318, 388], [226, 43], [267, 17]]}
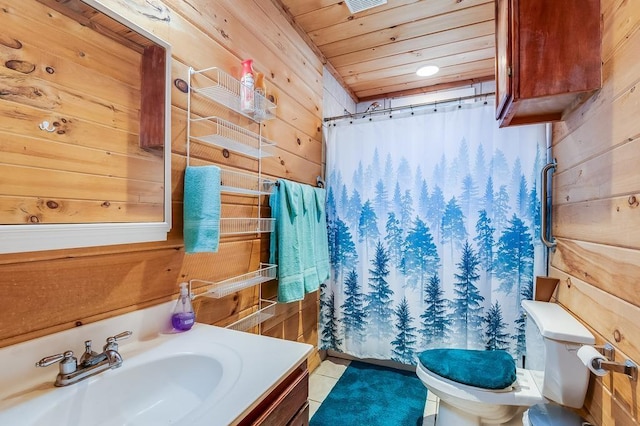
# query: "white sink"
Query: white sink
{"points": [[206, 376], [145, 395]]}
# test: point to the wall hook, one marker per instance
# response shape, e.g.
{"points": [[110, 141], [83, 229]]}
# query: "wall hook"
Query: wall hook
{"points": [[46, 126]]}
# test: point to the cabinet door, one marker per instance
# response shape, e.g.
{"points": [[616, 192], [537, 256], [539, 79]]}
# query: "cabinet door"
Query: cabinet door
{"points": [[504, 87], [286, 404]]}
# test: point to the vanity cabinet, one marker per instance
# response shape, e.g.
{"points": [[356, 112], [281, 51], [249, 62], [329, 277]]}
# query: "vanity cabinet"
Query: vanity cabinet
{"points": [[548, 58], [287, 404]]}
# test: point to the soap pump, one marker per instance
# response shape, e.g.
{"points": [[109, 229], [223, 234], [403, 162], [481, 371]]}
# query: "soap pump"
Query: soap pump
{"points": [[183, 316]]}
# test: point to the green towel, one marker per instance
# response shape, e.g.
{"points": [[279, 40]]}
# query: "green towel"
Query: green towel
{"points": [[482, 369], [300, 243], [201, 223], [321, 236], [306, 235], [288, 215]]}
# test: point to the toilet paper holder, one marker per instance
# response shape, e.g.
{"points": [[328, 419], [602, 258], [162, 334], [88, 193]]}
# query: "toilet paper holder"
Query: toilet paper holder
{"points": [[629, 367], [607, 350]]}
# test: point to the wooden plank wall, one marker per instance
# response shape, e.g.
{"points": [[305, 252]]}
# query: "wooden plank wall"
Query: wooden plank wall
{"points": [[596, 212], [89, 90], [45, 292]]}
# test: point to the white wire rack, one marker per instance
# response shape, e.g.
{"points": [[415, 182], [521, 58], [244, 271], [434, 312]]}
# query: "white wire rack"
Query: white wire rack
{"points": [[233, 137], [246, 225], [267, 272], [225, 90], [245, 183], [268, 310], [204, 127]]}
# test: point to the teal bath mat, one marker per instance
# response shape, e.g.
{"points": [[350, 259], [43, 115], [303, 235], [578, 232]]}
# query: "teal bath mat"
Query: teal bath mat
{"points": [[370, 395]]}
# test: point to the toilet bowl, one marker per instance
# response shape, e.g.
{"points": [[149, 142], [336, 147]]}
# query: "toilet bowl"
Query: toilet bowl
{"points": [[464, 405], [559, 377]]}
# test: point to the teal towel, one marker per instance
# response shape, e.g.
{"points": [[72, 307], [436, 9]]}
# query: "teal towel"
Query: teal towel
{"points": [[274, 202], [321, 236], [482, 369], [306, 235], [288, 215], [201, 226]]}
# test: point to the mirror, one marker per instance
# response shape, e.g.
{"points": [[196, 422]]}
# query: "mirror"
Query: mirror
{"points": [[85, 150]]}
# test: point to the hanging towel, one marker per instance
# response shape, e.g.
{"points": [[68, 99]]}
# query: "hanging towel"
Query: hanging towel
{"points": [[273, 241], [307, 239], [321, 235], [288, 215], [201, 209]]}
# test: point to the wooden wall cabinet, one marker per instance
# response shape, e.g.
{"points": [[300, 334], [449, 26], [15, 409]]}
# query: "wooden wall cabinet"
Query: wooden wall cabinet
{"points": [[548, 58], [287, 404]]}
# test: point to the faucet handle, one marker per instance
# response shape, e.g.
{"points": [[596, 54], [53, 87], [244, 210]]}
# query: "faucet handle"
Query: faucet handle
{"points": [[111, 341], [68, 363]]}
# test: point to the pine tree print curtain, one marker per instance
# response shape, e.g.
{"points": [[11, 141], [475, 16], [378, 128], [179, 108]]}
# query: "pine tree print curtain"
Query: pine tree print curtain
{"points": [[433, 233]]}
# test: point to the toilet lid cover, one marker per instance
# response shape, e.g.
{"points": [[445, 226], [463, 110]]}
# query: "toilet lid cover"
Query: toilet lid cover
{"points": [[482, 369]]}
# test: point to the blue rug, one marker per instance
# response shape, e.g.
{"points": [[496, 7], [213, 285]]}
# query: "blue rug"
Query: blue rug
{"points": [[370, 395]]}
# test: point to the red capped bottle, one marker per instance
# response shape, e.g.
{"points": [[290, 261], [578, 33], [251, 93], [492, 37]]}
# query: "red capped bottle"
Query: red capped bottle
{"points": [[247, 86]]}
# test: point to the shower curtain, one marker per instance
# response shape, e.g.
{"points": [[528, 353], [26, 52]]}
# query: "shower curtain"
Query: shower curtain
{"points": [[433, 233]]}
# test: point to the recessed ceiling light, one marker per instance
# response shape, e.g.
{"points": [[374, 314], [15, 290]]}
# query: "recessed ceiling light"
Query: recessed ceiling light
{"points": [[427, 70]]}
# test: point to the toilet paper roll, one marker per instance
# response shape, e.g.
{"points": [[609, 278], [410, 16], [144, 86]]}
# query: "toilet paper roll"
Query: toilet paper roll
{"points": [[587, 355]]}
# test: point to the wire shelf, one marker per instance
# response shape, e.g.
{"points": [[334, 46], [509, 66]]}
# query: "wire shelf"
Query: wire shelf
{"points": [[267, 272], [226, 91], [244, 183], [235, 138], [244, 225], [255, 318]]}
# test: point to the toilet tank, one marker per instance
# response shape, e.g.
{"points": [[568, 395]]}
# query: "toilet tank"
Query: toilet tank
{"points": [[565, 377]]}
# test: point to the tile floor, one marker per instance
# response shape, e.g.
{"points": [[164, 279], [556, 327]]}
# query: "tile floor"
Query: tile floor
{"points": [[326, 376]]}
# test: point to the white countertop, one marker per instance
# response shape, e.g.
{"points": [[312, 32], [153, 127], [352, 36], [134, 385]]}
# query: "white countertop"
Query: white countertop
{"points": [[252, 365]]}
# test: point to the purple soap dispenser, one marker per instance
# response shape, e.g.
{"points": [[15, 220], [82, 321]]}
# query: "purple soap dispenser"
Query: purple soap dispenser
{"points": [[183, 316]]}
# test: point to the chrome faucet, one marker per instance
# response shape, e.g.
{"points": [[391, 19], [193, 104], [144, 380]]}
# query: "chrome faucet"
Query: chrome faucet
{"points": [[91, 362]]}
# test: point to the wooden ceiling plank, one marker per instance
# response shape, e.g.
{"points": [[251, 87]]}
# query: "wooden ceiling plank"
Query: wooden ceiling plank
{"points": [[399, 33], [458, 80], [433, 88], [455, 72], [366, 78], [455, 64], [339, 13], [430, 54], [300, 7], [383, 92], [390, 18], [418, 43]]}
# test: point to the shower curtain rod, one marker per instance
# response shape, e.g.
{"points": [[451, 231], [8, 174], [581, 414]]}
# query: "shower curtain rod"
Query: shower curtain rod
{"points": [[405, 107]]}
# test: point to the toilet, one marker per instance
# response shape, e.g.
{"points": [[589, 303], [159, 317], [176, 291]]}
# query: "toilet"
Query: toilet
{"points": [[554, 373]]}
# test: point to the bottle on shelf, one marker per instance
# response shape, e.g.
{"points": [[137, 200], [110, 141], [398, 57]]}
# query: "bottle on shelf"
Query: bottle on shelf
{"points": [[183, 316], [261, 87], [247, 86]]}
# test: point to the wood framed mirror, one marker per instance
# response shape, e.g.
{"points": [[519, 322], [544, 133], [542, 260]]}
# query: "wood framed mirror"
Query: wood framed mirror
{"points": [[85, 148]]}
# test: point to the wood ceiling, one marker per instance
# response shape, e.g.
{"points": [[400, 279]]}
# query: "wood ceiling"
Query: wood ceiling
{"points": [[375, 53]]}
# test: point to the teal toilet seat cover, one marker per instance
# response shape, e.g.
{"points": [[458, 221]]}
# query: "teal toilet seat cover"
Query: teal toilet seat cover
{"points": [[482, 369]]}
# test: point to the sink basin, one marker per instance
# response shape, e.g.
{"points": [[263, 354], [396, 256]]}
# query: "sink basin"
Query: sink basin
{"points": [[155, 386], [207, 376], [154, 393]]}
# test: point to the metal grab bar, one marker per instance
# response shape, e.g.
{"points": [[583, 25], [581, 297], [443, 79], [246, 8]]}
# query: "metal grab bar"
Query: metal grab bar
{"points": [[543, 206]]}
